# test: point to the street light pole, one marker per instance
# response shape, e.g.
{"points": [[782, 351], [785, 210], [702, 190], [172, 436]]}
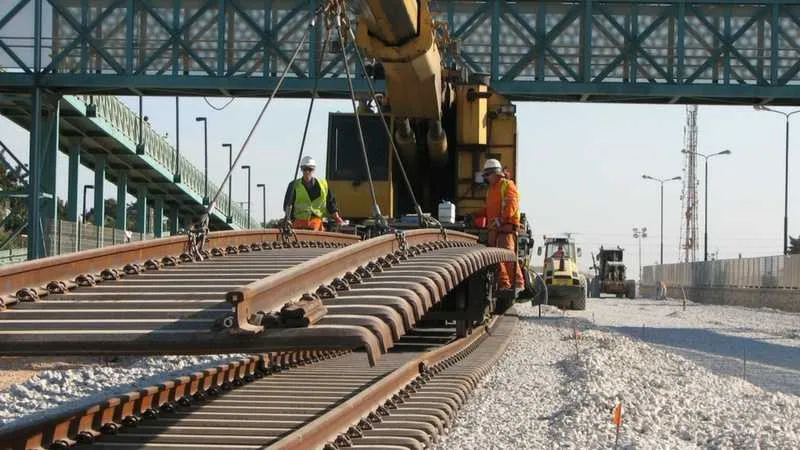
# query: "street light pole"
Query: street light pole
{"points": [[662, 181], [705, 232], [640, 233], [786, 177], [229, 219], [263, 204], [247, 167], [176, 177], [705, 219], [205, 153]]}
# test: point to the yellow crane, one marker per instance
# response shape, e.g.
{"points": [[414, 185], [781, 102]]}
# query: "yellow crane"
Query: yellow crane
{"points": [[445, 122]]}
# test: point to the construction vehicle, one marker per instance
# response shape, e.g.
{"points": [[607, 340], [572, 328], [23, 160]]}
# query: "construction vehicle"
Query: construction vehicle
{"points": [[443, 123], [566, 286], [610, 275]]}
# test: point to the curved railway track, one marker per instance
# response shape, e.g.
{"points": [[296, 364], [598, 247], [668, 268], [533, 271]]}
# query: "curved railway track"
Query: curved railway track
{"points": [[289, 401], [302, 303]]}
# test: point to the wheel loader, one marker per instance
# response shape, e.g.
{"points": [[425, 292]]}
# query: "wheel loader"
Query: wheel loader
{"points": [[610, 275]]}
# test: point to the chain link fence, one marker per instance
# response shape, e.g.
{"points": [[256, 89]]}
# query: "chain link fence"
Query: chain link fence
{"points": [[64, 236]]}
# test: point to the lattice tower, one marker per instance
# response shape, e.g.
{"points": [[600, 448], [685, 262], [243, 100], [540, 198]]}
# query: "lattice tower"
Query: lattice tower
{"points": [[689, 241]]}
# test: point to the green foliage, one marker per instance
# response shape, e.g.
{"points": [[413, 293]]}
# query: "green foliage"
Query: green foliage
{"points": [[794, 245]]}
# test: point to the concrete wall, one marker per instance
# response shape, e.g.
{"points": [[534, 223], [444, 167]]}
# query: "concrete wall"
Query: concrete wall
{"points": [[782, 299], [763, 282]]}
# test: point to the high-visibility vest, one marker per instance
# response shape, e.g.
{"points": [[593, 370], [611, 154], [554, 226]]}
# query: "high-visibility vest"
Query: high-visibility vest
{"points": [[503, 190], [304, 207]]}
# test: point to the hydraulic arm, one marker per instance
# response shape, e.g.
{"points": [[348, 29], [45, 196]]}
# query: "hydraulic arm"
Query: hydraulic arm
{"points": [[400, 34]]}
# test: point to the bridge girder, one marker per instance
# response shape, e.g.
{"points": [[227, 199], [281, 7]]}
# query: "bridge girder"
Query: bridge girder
{"points": [[704, 51]]}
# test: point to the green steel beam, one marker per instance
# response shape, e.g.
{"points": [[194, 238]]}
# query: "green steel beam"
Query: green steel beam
{"points": [[35, 235], [158, 217], [141, 210], [99, 197], [121, 221], [567, 43], [49, 148], [72, 186]]}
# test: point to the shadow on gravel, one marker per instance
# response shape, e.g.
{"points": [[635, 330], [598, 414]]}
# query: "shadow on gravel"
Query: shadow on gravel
{"points": [[773, 367], [713, 343]]}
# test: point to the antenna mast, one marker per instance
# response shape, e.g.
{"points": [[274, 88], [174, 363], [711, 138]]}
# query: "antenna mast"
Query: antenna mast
{"points": [[690, 183]]}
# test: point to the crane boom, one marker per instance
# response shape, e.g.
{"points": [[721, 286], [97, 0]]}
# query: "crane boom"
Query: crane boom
{"points": [[444, 121], [401, 35]]}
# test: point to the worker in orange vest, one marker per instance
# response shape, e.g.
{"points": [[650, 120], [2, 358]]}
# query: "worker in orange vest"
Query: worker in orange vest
{"points": [[503, 220], [309, 199]]}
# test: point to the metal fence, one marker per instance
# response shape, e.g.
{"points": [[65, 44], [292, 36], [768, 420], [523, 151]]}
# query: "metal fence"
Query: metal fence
{"points": [[64, 236], [13, 255], [764, 272]]}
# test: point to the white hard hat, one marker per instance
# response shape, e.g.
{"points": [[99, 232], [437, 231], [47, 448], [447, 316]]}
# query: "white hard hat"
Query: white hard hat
{"points": [[308, 161], [492, 165]]}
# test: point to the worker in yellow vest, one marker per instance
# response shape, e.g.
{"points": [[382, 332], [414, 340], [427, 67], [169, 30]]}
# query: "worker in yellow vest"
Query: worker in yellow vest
{"points": [[502, 213], [309, 199]]}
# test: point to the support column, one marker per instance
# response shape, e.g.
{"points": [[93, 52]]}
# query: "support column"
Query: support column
{"points": [[158, 217], [174, 215], [141, 210], [73, 188], [50, 128], [35, 247], [99, 201], [122, 210]]}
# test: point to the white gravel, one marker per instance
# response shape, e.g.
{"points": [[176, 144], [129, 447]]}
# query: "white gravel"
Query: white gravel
{"points": [[764, 324], [546, 394], [52, 389]]}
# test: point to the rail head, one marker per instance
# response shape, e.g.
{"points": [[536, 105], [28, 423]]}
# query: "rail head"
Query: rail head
{"points": [[271, 293], [37, 273]]}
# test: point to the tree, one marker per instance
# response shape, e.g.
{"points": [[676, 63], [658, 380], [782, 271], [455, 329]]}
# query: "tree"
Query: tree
{"points": [[794, 245], [9, 205]]}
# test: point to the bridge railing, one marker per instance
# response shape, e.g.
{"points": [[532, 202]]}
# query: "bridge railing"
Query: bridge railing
{"points": [[125, 121], [763, 272]]}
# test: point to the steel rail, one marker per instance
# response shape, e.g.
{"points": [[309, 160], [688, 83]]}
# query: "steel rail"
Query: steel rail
{"points": [[271, 293], [35, 275], [375, 293], [331, 426], [85, 421], [424, 409], [281, 401]]}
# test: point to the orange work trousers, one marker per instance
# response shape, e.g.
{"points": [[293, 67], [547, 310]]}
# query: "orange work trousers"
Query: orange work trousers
{"points": [[508, 241], [313, 224]]}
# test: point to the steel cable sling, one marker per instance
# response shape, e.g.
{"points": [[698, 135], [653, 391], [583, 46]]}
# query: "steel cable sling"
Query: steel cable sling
{"points": [[423, 220], [285, 225], [341, 17], [202, 226]]}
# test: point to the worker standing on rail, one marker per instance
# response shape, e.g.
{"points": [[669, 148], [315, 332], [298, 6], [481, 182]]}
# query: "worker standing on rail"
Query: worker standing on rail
{"points": [[503, 219], [309, 198]]}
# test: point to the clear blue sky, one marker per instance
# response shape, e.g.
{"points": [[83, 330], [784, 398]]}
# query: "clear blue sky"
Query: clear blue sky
{"points": [[580, 166]]}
